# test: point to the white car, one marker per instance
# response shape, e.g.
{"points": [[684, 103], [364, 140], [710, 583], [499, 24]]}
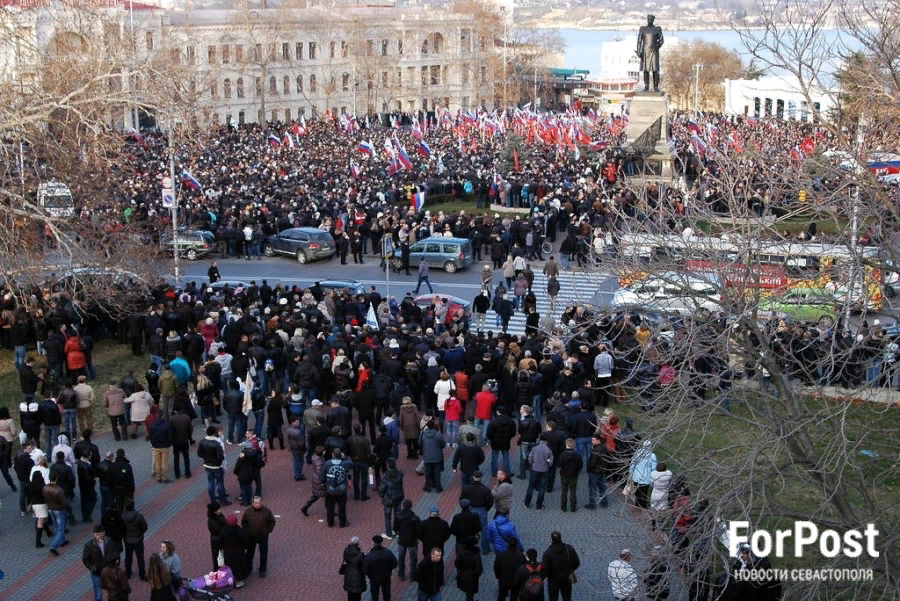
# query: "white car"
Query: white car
{"points": [[673, 293]]}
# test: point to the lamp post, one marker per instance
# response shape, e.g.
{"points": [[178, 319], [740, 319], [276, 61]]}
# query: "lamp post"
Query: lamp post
{"points": [[697, 68]]}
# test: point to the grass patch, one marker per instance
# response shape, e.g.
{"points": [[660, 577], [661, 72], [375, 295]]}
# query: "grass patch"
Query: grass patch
{"points": [[450, 204], [111, 360]]}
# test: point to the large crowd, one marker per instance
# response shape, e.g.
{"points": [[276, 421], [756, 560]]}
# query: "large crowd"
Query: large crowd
{"points": [[270, 368]]}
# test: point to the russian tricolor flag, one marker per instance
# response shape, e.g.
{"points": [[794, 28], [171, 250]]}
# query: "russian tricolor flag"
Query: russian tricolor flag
{"points": [[693, 126], [416, 131], [366, 148], [190, 181], [273, 140], [423, 149], [354, 169], [418, 200], [288, 141]]}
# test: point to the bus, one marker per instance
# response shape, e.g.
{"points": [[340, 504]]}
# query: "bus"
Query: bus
{"points": [[761, 267], [55, 199]]}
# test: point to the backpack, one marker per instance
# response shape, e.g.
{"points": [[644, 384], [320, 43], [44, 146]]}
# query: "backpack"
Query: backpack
{"points": [[534, 585], [336, 478]]}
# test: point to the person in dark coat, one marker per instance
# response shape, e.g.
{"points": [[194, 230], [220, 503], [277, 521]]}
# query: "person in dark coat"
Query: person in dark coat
{"points": [[560, 561], [433, 532], [468, 568], [465, 525], [524, 573], [121, 478], [114, 526], [215, 522], [406, 529], [506, 565], [379, 564], [430, 575], [235, 542], [353, 569]]}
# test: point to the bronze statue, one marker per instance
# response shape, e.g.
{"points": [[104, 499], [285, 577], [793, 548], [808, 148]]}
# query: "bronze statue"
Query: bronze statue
{"points": [[650, 40]]}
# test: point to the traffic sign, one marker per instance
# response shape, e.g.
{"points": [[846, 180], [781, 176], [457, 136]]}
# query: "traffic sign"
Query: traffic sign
{"points": [[168, 198]]}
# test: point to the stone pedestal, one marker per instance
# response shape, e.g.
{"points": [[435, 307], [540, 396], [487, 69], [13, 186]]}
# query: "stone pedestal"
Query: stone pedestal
{"points": [[647, 137]]}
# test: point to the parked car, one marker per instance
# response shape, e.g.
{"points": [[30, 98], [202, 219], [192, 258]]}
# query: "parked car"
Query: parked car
{"points": [[424, 302], [192, 244], [352, 285], [304, 243], [449, 254], [677, 293], [801, 304]]}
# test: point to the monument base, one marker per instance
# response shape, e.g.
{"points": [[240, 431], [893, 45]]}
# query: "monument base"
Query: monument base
{"points": [[647, 138]]}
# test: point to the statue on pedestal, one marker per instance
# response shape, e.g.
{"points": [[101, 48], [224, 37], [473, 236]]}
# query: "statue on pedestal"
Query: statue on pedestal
{"points": [[650, 40]]}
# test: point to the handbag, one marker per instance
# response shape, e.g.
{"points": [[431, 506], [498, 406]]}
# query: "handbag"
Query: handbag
{"points": [[342, 569]]}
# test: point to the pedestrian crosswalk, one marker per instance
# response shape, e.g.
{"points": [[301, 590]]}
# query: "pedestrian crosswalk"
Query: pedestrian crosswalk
{"points": [[575, 287]]}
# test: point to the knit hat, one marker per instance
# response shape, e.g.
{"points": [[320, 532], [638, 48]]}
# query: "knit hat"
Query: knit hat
{"points": [[232, 520], [464, 503]]}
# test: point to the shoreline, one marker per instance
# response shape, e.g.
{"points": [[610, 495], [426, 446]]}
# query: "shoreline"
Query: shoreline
{"points": [[632, 28]]}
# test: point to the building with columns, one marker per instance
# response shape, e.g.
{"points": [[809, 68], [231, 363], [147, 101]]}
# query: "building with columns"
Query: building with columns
{"points": [[250, 66], [777, 96]]}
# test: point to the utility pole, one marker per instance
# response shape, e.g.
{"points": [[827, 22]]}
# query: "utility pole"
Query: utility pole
{"points": [[697, 68], [854, 223]]}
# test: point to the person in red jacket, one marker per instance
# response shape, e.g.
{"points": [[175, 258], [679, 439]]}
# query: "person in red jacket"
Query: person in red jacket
{"points": [[484, 404], [364, 377], [452, 414], [75, 359]]}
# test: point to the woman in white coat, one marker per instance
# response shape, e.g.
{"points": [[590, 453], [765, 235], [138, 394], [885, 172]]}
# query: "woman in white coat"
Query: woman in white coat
{"points": [[661, 478]]}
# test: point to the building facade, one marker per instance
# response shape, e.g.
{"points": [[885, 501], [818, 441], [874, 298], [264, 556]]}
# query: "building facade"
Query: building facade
{"points": [[777, 96]]}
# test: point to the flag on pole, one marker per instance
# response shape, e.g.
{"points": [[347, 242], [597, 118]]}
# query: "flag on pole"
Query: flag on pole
{"points": [[371, 318], [423, 149], [416, 131], [273, 140], [577, 153], [354, 169], [366, 147], [190, 181], [389, 148], [288, 141], [419, 200]]}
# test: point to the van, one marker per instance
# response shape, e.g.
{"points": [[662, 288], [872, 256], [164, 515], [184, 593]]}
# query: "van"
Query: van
{"points": [[673, 293], [449, 254]]}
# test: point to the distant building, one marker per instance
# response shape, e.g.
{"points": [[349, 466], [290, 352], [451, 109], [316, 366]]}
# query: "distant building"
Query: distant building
{"points": [[618, 58], [776, 96]]}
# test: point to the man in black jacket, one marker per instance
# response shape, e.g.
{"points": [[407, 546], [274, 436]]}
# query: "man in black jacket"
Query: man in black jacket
{"points": [[53, 346], [87, 486], [23, 464], [161, 442], [181, 441], [433, 532], [481, 500], [103, 472], [135, 528], [556, 441], [379, 564], [560, 561], [98, 552], [406, 527], [233, 403], [468, 458], [121, 478], [598, 465], [500, 432], [28, 379], [570, 464], [85, 445], [212, 453], [464, 525], [506, 564], [51, 419], [529, 431]]}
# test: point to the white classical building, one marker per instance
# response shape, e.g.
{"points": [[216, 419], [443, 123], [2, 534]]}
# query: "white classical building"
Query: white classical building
{"points": [[777, 96], [618, 58], [280, 64]]}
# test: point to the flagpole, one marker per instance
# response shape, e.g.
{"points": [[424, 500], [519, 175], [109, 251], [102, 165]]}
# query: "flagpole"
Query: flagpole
{"points": [[174, 205]]}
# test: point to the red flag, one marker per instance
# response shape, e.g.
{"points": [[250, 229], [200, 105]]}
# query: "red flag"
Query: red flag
{"points": [[809, 146], [516, 159]]}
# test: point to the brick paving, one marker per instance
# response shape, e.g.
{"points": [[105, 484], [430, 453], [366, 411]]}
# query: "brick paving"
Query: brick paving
{"points": [[304, 554]]}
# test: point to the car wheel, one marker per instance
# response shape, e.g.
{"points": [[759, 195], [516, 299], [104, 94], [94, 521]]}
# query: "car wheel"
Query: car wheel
{"points": [[269, 251], [191, 255], [301, 257], [450, 267]]}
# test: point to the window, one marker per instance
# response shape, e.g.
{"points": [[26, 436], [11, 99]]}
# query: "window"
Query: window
{"points": [[226, 54], [285, 51], [345, 50], [312, 84], [384, 47], [272, 51], [214, 90], [452, 249], [287, 114], [149, 37], [384, 79], [334, 111], [483, 74], [273, 85], [804, 110], [343, 110], [370, 48], [301, 112], [242, 116], [299, 84], [287, 85], [191, 57], [756, 107], [465, 75], [226, 86], [435, 75], [384, 107], [211, 55], [215, 118], [345, 82], [275, 115], [240, 87], [432, 248], [779, 108], [257, 53], [332, 49], [298, 51], [399, 105], [400, 46], [399, 78], [792, 109], [424, 104], [465, 44], [238, 53], [312, 51], [424, 76], [818, 108], [258, 86], [482, 45], [768, 107]]}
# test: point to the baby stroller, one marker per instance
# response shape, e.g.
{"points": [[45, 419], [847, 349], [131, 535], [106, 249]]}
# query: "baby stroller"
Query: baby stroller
{"points": [[215, 586]]}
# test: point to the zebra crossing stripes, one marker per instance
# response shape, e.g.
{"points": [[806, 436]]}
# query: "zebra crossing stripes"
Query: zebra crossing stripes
{"points": [[575, 287]]}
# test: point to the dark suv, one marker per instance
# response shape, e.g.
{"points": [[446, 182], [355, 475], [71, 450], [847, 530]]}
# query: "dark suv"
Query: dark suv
{"points": [[304, 243], [192, 244]]}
